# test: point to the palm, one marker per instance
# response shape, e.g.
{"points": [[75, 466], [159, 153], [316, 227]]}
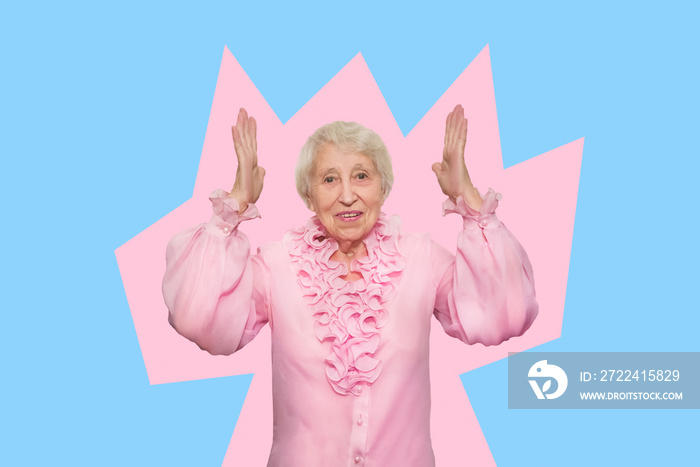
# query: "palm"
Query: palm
{"points": [[452, 173], [249, 176]]}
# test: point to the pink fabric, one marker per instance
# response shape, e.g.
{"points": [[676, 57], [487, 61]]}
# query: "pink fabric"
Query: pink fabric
{"points": [[349, 314], [350, 369]]}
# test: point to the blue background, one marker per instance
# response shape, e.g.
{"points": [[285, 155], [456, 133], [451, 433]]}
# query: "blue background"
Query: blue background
{"points": [[104, 110]]}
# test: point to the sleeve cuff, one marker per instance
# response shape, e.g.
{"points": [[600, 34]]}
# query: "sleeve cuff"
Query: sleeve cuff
{"points": [[486, 216], [226, 217]]}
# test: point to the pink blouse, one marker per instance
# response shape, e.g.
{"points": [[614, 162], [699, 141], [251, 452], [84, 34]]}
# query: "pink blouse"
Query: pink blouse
{"points": [[351, 382]]}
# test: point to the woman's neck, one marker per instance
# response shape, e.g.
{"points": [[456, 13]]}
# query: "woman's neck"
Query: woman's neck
{"points": [[346, 253]]}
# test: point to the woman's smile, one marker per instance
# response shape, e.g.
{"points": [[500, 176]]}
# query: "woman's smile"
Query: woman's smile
{"points": [[349, 216]]}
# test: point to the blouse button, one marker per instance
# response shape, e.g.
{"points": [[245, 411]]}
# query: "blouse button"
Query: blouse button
{"points": [[357, 460], [359, 421], [483, 223], [360, 388], [226, 230]]}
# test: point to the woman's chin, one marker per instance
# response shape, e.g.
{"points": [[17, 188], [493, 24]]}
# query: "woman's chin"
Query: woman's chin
{"points": [[349, 234]]}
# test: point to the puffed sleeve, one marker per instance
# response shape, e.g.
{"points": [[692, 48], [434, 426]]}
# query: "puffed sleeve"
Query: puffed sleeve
{"points": [[215, 291], [486, 293]]}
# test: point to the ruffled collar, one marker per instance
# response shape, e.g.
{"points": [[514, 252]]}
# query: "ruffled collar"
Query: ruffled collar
{"points": [[348, 314]]}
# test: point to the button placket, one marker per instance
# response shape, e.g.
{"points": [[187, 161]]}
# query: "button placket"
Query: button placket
{"points": [[359, 431]]}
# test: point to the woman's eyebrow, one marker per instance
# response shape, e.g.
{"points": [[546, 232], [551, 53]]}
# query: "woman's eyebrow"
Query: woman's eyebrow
{"points": [[326, 171], [323, 172]]}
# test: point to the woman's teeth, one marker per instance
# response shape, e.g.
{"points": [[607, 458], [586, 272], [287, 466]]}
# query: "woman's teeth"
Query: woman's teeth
{"points": [[355, 214]]}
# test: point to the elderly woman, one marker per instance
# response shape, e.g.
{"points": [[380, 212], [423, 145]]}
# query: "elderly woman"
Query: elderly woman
{"points": [[348, 297]]}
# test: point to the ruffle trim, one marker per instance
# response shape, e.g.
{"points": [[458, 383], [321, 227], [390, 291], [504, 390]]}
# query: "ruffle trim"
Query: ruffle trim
{"points": [[485, 216], [227, 208], [349, 314]]}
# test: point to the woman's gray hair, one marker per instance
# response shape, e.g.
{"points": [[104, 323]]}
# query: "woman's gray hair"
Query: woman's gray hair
{"points": [[348, 137]]}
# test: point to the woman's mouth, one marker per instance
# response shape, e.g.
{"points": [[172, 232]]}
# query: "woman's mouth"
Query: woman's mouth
{"points": [[348, 216]]}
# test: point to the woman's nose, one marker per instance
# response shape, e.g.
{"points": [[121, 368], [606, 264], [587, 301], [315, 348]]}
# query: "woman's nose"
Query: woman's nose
{"points": [[348, 195]]}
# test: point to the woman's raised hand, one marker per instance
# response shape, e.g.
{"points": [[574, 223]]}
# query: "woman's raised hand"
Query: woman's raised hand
{"points": [[452, 173], [249, 176]]}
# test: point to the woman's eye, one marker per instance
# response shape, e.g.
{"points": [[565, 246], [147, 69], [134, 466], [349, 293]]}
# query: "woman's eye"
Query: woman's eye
{"points": [[328, 180], [362, 176]]}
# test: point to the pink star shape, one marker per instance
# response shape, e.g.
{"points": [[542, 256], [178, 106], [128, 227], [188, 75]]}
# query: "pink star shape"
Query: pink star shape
{"points": [[539, 204]]}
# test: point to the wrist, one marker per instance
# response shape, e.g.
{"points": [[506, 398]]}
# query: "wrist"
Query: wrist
{"points": [[472, 198], [242, 205]]}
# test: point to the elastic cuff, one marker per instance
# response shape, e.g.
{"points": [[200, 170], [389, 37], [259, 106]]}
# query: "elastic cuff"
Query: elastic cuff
{"points": [[226, 217], [484, 217]]}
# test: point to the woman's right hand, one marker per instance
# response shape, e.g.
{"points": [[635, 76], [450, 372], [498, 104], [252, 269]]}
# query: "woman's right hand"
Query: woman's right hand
{"points": [[249, 176]]}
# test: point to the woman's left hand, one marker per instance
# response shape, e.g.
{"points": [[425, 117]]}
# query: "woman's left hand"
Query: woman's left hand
{"points": [[452, 173]]}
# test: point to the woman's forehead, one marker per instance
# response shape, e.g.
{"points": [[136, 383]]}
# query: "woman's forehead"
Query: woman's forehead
{"points": [[330, 158]]}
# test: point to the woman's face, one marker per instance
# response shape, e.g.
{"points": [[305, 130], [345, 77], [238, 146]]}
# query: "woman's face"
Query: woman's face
{"points": [[346, 193]]}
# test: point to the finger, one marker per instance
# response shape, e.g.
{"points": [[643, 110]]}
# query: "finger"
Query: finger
{"points": [[239, 120], [236, 141], [246, 119], [254, 133], [448, 128], [457, 111], [450, 124], [463, 131], [235, 135], [437, 168], [247, 137], [243, 125], [455, 116], [459, 117], [455, 123]]}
